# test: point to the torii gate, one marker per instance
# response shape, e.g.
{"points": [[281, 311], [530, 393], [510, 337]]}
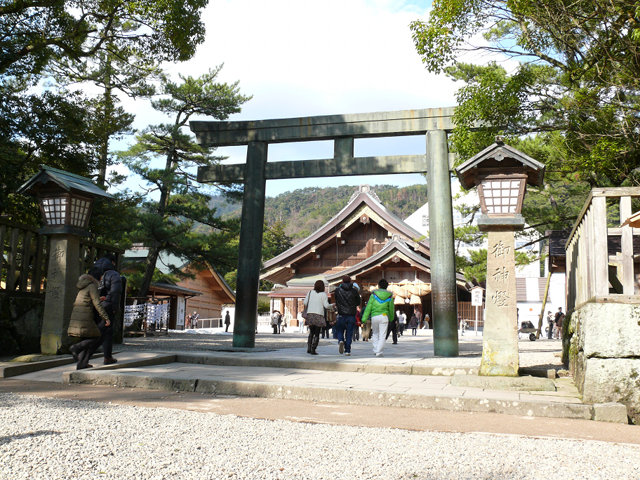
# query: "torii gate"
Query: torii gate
{"points": [[342, 129]]}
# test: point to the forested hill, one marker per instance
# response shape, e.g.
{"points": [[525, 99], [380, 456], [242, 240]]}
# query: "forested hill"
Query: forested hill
{"points": [[303, 211]]}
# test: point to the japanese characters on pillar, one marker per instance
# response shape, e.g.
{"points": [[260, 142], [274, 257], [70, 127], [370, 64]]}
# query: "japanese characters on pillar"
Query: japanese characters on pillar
{"points": [[501, 174], [500, 336], [501, 253]]}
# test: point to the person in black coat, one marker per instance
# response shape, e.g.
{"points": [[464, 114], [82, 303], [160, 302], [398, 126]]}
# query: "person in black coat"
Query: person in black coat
{"points": [[393, 329], [347, 300], [110, 292], [414, 322], [227, 321]]}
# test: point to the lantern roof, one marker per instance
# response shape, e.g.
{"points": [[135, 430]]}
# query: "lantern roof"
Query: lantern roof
{"points": [[49, 177], [500, 158]]}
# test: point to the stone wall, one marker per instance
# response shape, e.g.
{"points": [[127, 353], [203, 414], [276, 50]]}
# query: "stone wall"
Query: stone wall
{"points": [[20, 323], [603, 352]]}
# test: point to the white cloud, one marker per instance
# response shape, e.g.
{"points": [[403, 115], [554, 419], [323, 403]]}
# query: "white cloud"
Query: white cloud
{"points": [[311, 58], [301, 58]]}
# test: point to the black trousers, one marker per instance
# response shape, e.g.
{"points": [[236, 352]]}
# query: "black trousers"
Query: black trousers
{"points": [[393, 328], [313, 338], [325, 331], [84, 349], [107, 336]]}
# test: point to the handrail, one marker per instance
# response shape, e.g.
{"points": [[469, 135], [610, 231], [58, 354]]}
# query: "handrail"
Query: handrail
{"points": [[590, 268], [609, 192]]}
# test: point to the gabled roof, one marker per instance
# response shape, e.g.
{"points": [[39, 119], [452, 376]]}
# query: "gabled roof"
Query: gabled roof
{"points": [[222, 282], [394, 248], [359, 199], [172, 289], [64, 180], [500, 155], [165, 260]]}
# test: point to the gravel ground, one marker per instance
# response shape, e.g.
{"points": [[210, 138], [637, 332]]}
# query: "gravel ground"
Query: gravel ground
{"points": [[62, 439]]}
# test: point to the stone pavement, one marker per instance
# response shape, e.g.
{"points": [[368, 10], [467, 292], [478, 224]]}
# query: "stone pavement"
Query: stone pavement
{"points": [[407, 376]]}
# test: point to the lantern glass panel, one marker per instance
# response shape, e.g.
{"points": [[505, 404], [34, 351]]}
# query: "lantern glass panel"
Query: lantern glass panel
{"points": [[55, 210], [501, 196], [79, 212]]}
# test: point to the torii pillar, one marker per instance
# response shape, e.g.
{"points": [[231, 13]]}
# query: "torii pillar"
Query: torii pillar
{"points": [[342, 129]]}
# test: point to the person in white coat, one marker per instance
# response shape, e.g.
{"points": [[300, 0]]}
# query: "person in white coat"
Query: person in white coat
{"points": [[316, 302]]}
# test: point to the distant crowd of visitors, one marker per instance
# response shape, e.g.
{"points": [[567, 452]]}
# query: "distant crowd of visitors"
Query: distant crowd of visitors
{"points": [[353, 316], [554, 324]]}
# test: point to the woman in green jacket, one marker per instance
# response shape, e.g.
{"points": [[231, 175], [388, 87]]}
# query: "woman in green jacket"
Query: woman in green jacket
{"points": [[82, 322], [380, 310]]}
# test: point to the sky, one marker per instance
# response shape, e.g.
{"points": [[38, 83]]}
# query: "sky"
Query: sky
{"points": [[302, 58]]}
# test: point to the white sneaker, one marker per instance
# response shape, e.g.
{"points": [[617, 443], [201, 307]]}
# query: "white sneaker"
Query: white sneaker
{"points": [[379, 354], [341, 348], [348, 354]]}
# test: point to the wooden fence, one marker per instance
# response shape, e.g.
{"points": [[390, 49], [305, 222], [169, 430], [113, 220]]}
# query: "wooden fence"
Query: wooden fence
{"points": [[600, 253], [24, 257]]}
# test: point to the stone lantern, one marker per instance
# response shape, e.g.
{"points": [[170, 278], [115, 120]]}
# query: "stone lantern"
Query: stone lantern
{"points": [[65, 203], [501, 174]]}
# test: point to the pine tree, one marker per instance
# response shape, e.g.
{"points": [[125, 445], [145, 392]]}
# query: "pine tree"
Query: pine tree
{"points": [[180, 221]]}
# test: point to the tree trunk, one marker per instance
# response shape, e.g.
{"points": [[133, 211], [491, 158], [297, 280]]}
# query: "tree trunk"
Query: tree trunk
{"points": [[152, 258], [103, 146], [154, 250]]}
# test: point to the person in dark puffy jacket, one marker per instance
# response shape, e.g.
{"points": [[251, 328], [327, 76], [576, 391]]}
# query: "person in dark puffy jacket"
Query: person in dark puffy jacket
{"points": [[347, 300], [81, 323], [110, 293]]}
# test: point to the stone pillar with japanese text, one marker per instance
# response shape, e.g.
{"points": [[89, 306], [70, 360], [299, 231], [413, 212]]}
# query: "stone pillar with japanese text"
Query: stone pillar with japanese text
{"points": [[62, 277], [500, 334]]}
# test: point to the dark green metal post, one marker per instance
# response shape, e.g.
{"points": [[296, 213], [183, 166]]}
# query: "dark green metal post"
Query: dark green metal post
{"points": [[444, 301], [250, 248]]}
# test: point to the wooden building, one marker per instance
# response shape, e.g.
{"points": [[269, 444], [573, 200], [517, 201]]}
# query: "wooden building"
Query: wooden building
{"points": [[206, 293], [367, 242], [215, 294]]}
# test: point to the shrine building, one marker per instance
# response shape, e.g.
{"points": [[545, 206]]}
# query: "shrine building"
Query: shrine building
{"points": [[367, 242]]}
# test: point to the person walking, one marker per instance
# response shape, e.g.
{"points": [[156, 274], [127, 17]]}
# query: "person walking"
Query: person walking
{"points": [[379, 309], [413, 324], [316, 302], [82, 322], [280, 323], [227, 321], [347, 301], [356, 331], [558, 323], [276, 318], [550, 324], [402, 322], [110, 290], [393, 329]]}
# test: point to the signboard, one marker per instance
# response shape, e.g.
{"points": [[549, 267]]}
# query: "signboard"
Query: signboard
{"points": [[476, 297]]}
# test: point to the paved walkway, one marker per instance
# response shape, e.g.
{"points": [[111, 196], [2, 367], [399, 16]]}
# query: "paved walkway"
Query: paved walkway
{"points": [[408, 375]]}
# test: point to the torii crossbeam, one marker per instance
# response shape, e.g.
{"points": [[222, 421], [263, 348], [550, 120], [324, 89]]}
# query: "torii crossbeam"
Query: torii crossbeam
{"points": [[342, 129]]}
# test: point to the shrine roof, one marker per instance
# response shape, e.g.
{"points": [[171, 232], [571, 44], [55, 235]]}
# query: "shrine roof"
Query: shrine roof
{"points": [[391, 249], [362, 197]]}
